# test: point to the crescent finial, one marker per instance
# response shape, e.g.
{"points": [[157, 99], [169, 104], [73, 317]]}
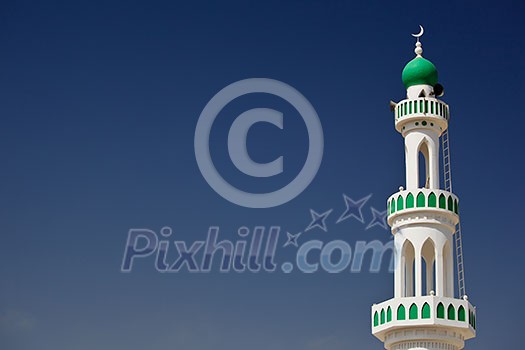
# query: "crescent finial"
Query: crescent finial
{"points": [[419, 49], [421, 31]]}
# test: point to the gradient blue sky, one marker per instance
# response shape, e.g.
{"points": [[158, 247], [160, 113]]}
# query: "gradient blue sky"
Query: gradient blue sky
{"points": [[99, 102]]}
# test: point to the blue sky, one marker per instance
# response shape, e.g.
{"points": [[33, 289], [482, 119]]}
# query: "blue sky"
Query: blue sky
{"points": [[99, 103]]}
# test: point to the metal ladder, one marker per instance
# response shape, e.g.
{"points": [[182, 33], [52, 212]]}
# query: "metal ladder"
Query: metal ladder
{"points": [[458, 239]]}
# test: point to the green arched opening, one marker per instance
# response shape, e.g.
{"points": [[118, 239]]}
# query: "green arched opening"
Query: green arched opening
{"points": [[401, 313], [451, 312], [425, 311], [388, 207], [440, 311], [420, 201], [393, 206], [461, 313], [456, 210], [450, 203], [400, 203], [376, 319], [442, 201], [412, 312], [410, 201], [432, 200], [389, 314], [382, 319]]}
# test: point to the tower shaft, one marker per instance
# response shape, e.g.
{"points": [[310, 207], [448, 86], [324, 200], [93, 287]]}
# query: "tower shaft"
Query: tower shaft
{"points": [[423, 314]]}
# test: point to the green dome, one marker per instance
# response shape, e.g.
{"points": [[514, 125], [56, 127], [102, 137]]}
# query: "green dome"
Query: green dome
{"points": [[419, 71]]}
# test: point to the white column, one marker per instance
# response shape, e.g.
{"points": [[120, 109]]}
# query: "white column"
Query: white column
{"points": [[440, 290], [450, 271], [418, 275], [399, 276], [409, 281], [433, 162], [430, 275]]}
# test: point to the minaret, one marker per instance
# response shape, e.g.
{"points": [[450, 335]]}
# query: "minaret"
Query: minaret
{"points": [[423, 314]]}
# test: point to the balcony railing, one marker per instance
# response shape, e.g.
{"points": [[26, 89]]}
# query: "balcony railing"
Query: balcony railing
{"points": [[424, 310], [406, 200], [421, 107]]}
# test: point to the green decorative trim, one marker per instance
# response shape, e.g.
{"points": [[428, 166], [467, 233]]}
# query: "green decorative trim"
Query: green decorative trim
{"points": [[442, 201], [461, 313], [472, 319], [451, 312], [432, 200], [389, 314], [401, 313], [440, 311], [382, 317], [420, 200], [410, 201], [412, 312], [376, 319], [425, 311], [400, 203]]}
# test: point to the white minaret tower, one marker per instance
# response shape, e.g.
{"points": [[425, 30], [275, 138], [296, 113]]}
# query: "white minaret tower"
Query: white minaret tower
{"points": [[423, 313]]}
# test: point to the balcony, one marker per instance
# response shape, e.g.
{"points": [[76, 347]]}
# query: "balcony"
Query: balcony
{"points": [[427, 311], [422, 199], [423, 112]]}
